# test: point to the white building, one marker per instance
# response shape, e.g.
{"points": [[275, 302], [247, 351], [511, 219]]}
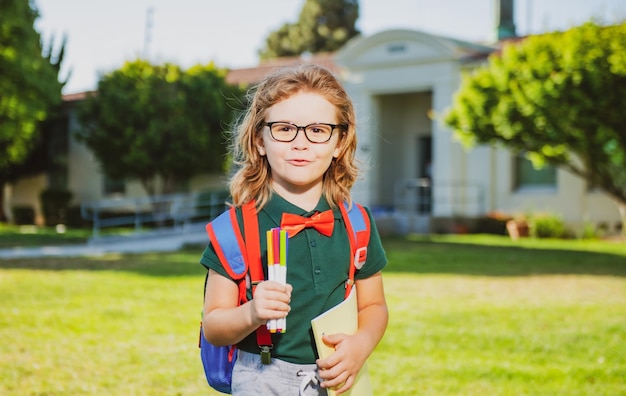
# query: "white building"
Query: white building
{"points": [[402, 82]]}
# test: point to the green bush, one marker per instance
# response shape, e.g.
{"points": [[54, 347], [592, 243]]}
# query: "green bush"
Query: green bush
{"points": [[547, 226], [591, 231], [23, 215], [55, 204], [75, 219]]}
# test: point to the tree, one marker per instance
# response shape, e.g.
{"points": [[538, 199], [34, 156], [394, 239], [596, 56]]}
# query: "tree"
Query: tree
{"points": [[152, 123], [323, 26], [29, 86], [558, 98], [43, 153]]}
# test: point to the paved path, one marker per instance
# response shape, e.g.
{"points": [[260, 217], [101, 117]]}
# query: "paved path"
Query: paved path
{"points": [[153, 242]]}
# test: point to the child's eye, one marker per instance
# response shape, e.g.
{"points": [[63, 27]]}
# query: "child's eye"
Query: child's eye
{"points": [[318, 129], [282, 128]]}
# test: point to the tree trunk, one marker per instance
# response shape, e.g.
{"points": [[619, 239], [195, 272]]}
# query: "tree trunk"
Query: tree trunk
{"points": [[148, 185], [622, 211], [3, 216]]}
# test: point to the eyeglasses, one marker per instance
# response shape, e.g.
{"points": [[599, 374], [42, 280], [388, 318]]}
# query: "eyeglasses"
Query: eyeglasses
{"points": [[315, 133]]}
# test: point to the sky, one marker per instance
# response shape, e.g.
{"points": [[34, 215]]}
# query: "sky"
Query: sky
{"points": [[103, 34]]}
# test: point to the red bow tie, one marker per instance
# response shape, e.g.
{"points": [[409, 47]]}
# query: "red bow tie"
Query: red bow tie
{"points": [[323, 222]]}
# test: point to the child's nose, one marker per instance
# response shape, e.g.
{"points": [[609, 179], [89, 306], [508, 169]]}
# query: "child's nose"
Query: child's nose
{"points": [[301, 140]]}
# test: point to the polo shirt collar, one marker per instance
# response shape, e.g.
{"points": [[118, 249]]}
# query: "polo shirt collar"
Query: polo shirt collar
{"points": [[279, 205]]}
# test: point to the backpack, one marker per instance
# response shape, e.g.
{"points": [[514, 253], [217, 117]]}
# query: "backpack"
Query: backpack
{"points": [[241, 258]]}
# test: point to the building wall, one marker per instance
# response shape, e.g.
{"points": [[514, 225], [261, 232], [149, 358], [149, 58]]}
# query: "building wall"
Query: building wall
{"points": [[84, 178], [569, 199], [26, 192]]}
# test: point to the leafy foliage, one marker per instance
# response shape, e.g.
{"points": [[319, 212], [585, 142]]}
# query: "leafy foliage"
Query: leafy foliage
{"points": [[28, 83], [148, 122], [323, 26], [557, 97], [546, 225]]}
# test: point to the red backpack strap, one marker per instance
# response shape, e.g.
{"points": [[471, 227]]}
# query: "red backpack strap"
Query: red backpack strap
{"points": [[253, 248], [252, 243], [358, 226]]}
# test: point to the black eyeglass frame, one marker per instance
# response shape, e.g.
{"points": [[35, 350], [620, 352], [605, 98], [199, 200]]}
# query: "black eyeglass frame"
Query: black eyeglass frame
{"points": [[298, 127]]}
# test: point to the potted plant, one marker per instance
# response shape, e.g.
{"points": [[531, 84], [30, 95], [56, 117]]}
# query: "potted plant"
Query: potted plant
{"points": [[518, 227]]}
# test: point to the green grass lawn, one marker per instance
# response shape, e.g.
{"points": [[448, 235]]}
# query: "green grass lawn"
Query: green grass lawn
{"points": [[29, 235], [469, 315]]}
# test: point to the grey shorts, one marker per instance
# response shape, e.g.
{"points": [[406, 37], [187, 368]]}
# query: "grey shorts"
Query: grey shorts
{"points": [[252, 378]]}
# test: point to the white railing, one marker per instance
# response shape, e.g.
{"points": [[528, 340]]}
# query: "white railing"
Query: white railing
{"points": [[172, 210], [413, 196], [422, 197]]}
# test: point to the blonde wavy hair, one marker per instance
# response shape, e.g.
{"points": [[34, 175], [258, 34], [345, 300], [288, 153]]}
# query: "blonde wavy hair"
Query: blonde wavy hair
{"points": [[252, 179]]}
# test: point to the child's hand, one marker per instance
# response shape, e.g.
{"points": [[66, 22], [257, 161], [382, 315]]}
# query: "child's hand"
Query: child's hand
{"points": [[271, 301], [341, 368]]}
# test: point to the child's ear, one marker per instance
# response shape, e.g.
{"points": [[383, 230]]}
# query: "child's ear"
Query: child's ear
{"points": [[338, 148], [260, 146], [337, 151]]}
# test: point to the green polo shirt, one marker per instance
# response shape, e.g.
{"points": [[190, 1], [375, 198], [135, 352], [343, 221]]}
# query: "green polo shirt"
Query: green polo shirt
{"points": [[317, 268]]}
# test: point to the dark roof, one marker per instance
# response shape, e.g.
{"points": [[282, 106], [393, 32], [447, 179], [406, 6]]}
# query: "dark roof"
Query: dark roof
{"points": [[252, 75], [75, 97]]}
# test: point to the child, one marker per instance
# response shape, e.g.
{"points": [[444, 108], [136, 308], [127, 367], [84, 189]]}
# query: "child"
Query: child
{"points": [[295, 152]]}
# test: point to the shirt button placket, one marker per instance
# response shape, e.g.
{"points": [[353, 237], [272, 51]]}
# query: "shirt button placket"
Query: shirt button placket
{"points": [[313, 245]]}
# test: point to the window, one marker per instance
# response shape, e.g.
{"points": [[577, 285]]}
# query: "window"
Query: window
{"points": [[526, 176]]}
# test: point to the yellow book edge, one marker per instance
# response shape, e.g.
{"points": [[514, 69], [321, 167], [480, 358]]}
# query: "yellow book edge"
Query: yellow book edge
{"points": [[342, 318]]}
